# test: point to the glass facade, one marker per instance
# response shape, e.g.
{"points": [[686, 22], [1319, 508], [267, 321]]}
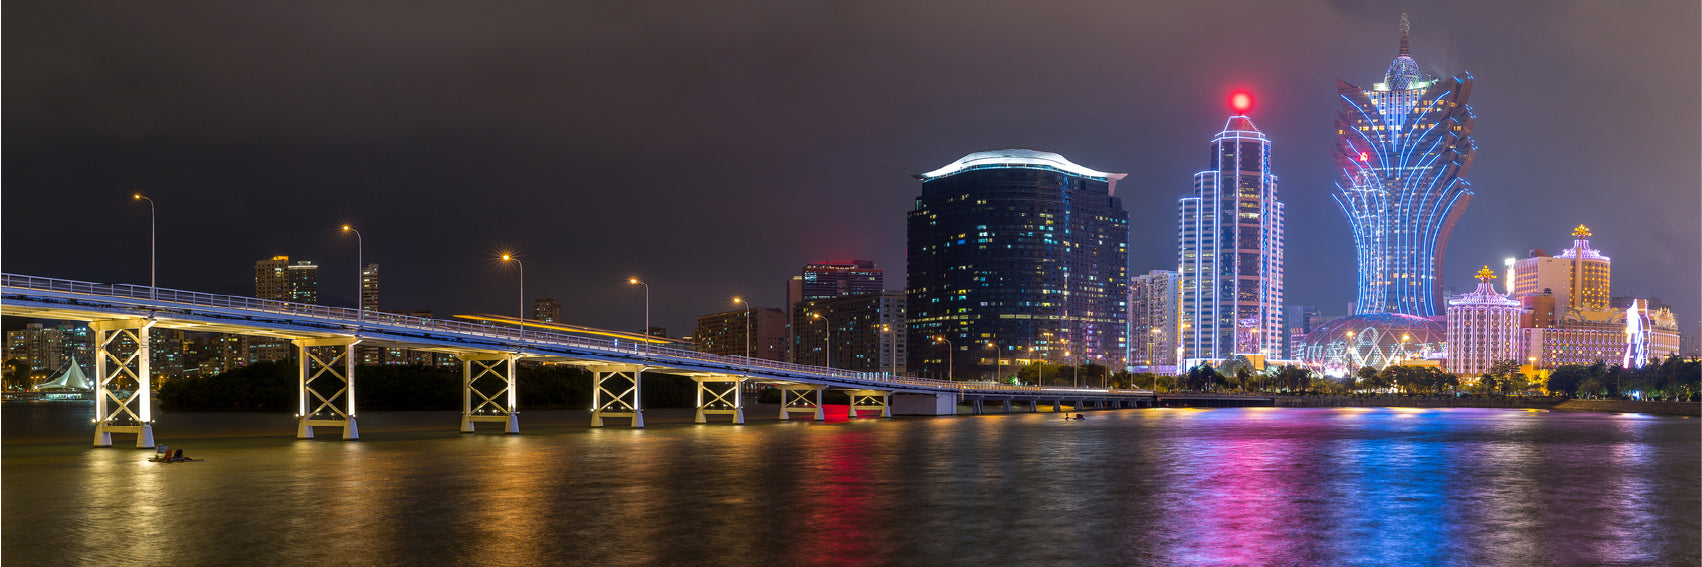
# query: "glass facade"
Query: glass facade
{"points": [[1022, 250], [1230, 251], [1402, 150]]}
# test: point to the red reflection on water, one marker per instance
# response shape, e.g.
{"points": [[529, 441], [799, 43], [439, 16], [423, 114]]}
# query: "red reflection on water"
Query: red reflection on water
{"points": [[1244, 509]]}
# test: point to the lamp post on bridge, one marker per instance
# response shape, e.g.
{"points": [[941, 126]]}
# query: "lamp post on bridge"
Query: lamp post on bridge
{"points": [[1152, 364], [153, 259], [892, 355], [829, 326], [747, 329], [949, 354], [996, 360], [522, 267], [635, 281], [360, 274]]}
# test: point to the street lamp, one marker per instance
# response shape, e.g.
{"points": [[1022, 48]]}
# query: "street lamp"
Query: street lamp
{"points": [[1151, 365], [996, 360], [635, 281], [517, 263], [153, 262], [360, 274], [747, 329], [1039, 380], [892, 355], [949, 348], [829, 326]]}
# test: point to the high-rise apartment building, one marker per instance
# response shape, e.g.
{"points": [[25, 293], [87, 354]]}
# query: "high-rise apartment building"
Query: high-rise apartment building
{"points": [[821, 280], [1153, 318], [369, 287], [50, 349], [1021, 249], [1483, 328], [546, 310], [827, 279], [763, 331], [279, 280], [1230, 252], [863, 332], [1402, 150]]}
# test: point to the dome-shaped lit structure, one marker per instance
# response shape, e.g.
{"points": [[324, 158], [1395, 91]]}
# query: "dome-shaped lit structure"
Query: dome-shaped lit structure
{"points": [[1377, 340]]}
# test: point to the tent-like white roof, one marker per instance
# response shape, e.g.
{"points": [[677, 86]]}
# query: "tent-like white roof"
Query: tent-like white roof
{"points": [[71, 379]]}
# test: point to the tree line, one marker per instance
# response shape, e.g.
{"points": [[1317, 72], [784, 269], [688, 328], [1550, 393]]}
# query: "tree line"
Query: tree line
{"points": [[1675, 379]]}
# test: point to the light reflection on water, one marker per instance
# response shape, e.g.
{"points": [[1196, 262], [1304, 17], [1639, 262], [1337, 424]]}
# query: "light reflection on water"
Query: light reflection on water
{"points": [[1252, 486]]}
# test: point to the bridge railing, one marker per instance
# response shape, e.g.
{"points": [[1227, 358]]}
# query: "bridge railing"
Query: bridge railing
{"points": [[357, 318]]}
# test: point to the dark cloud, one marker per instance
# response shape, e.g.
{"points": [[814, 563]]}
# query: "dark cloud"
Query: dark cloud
{"points": [[715, 147]]}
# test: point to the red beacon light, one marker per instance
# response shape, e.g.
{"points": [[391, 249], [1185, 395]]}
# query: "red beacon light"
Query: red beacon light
{"points": [[1241, 102]]}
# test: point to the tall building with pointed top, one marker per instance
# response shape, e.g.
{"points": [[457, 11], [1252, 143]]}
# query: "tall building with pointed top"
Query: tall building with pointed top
{"points": [[1402, 150], [1483, 328], [1230, 258], [1580, 278]]}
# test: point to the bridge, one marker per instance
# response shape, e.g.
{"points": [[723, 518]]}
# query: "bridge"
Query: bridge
{"points": [[121, 317]]}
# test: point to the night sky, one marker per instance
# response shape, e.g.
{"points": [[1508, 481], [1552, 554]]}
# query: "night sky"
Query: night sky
{"points": [[712, 148]]}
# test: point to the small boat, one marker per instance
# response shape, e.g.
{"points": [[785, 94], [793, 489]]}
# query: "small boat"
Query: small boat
{"points": [[164, 455]]}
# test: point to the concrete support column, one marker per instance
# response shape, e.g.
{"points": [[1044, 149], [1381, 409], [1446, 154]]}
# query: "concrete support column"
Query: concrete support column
{"points": [[722, 400], [618, 392], [133, 413], [1007, 405], [502, 369], [794, 398], [318, 358], [870, 400]]}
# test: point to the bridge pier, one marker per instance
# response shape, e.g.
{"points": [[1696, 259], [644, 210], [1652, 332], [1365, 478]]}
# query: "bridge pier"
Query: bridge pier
{"points": [[311, 366], [870, 400], [630, 378], [975, 406], [794, 398], [730, 399], [109, 335], [497, 407]]}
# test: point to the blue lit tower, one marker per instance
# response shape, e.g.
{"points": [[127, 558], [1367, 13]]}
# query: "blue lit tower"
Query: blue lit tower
{"points": [[1402, 151], [1230, 249], [1020, 250]]}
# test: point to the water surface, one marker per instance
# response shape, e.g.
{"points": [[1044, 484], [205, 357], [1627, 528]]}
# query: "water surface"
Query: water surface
{"points": [[1245, 486]]}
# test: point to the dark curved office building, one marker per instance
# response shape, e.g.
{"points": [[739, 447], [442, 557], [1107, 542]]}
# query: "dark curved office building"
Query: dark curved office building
{"points": [[1016, 256]]}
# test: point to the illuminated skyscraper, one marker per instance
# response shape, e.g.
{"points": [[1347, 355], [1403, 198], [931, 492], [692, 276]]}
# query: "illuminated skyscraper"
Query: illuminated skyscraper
{"points": [[1580, 277], [279, 280], [1230, 253], [1402, 150], [1022, 250]]}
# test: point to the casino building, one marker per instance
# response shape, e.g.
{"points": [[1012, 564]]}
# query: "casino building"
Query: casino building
{"points": [[1402, 150]]}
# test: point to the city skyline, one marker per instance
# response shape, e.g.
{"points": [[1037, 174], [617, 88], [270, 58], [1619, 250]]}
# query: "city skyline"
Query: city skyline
{"points": [[263, 158]]}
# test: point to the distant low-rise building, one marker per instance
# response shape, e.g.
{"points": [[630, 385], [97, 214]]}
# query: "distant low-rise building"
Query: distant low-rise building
{"points": [[729, 333]]}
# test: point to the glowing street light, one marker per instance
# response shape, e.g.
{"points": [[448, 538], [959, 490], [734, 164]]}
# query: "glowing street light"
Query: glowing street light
{"points": [[829, 326], [153, 262], [949, 359], [360, 274], [522, 267], [635, 281], [1151, 364], [747, 329], [893, 354]]}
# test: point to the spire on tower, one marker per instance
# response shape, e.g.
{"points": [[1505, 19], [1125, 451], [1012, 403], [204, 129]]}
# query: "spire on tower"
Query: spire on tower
{"points": [[1405, 29]]}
